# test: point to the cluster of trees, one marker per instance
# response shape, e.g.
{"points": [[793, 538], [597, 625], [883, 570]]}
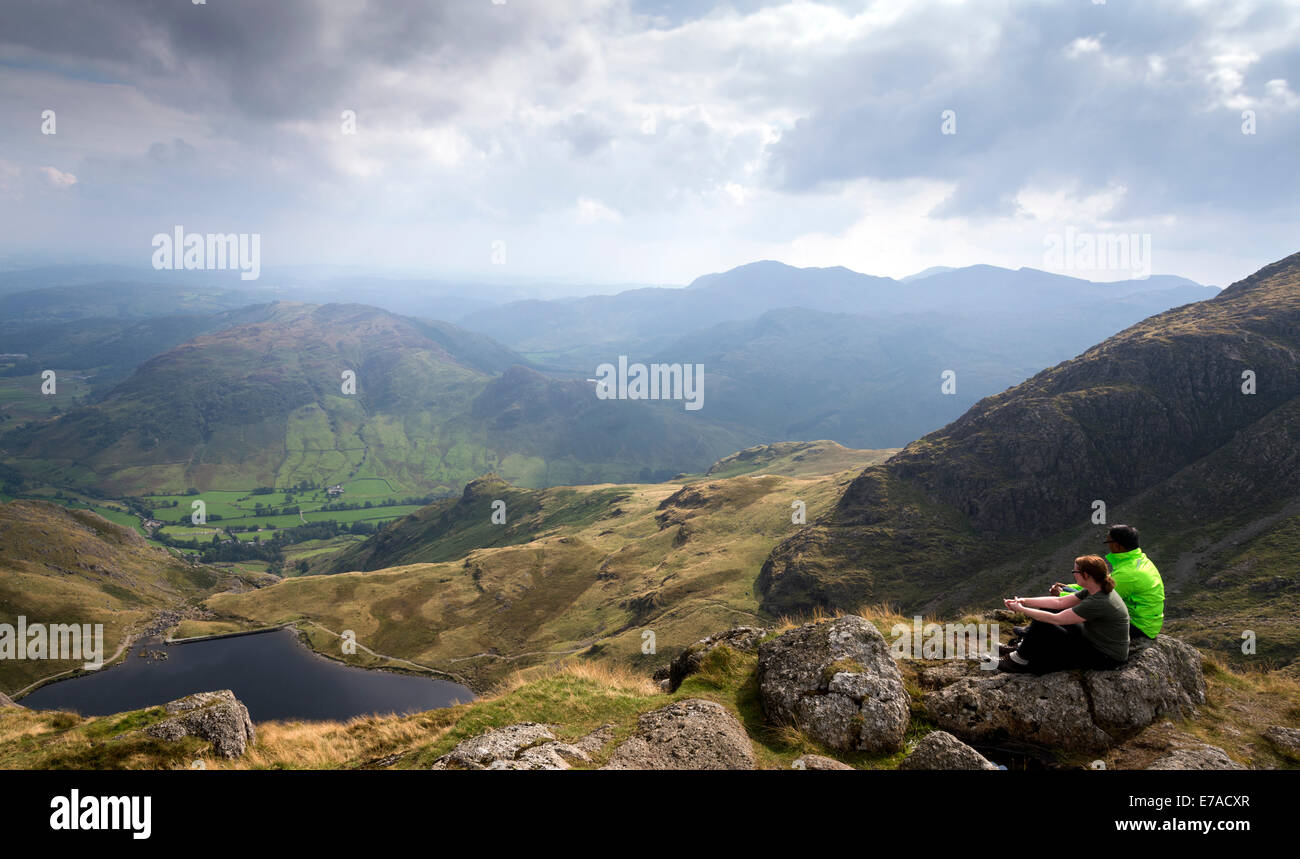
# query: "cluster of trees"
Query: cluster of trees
{"points": [[11, 480], [272, 551], [328, 529], [418, 501], [261, 510], [291, 510]]}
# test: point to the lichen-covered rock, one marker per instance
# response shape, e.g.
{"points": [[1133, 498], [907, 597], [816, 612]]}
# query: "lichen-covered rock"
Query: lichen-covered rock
{"points": [[526, 746], [218, 717], [950, 672], [1050, 710], [1199, 758], [554, 755], [689, 660], [1285, 740], [819, 762], [1073, 710], [1159, 679], [837, 682], [689, 735], [940, 750]]}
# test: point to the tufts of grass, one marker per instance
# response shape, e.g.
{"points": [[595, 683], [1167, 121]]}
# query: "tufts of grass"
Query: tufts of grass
{"points": [[847, 666]]}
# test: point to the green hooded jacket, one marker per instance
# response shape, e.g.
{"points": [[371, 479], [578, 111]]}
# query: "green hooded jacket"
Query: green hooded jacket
{"points": [[1139, 584]]}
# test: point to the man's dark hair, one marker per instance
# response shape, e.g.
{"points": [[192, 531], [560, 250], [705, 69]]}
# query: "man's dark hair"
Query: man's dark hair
{"points": [[1125, 535]]}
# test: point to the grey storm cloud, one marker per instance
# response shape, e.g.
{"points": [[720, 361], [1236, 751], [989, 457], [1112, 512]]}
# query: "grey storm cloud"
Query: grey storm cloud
{"points": [[282, 59], [1028, 110], [737, 128]]}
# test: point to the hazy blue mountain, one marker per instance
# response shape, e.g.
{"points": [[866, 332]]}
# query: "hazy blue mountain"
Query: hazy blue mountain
{"points": [[803, 354], [932, 270], [571, 332]]}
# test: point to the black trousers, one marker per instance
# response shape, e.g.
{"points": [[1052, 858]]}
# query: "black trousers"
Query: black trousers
{"points": [[1135, 634], [1048, 647]]}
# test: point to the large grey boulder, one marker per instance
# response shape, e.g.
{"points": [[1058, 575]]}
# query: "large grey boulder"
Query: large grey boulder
{"points": [[689, 735], [218, 717], [689, 660], [1285, 740], [1199, 758], [526, 746], [1074, 710], [940, 750], [837, 682], [1159, 680]]}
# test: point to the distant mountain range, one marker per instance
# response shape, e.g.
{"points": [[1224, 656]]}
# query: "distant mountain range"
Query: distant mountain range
{"points": [[263, 403], [829, 353], [196, 387], [653, 317]]}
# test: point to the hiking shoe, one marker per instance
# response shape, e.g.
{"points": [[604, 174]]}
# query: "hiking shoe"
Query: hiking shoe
{"points": [[1010, 666], [1019, 631], [1006, 649]]}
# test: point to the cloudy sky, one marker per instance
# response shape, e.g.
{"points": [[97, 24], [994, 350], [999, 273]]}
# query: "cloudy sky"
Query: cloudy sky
{"points": [[652, 141]]}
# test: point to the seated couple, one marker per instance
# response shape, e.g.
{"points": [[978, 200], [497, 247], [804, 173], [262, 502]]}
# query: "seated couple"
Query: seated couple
{"points": [[1089, 624]]}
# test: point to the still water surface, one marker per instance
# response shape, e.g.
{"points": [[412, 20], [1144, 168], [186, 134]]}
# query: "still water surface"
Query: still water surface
{"points": [[274, 675]]}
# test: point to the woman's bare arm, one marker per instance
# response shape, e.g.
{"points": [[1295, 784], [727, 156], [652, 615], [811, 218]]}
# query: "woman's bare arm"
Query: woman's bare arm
{"points": [[1060, 618], [1066, 601]]}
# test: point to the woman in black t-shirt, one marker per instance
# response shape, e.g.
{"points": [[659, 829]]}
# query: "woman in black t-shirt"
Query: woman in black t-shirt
{"points": [[1084, 630]]}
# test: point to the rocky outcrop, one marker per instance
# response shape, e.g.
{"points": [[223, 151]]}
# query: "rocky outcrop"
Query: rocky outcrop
{"points": [[1049, 711], [526, 746], [689, 660], [940, 750], [836, 682], [1071, 710], [218, 717], [819, 762], [1199, 758], [1159, 680], [1285, 740], [689, 735]]}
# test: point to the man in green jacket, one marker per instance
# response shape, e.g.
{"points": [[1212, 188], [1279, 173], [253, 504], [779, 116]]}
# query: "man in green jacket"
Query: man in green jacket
{"points": [[1137, 581]]}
